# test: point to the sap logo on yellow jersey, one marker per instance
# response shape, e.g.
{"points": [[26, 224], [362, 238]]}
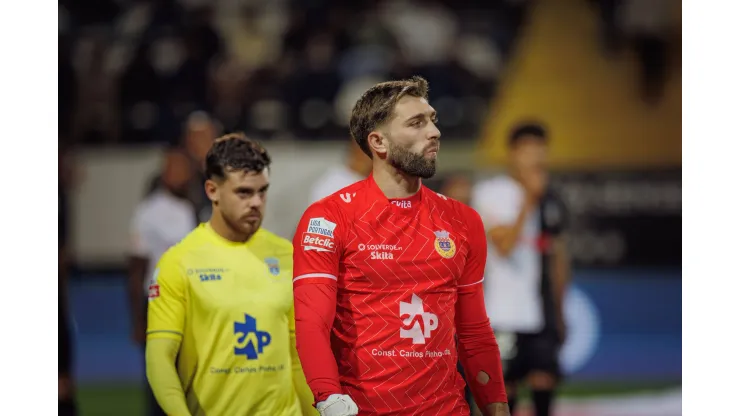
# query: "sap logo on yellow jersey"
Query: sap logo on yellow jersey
{"points": [[250, 341]]}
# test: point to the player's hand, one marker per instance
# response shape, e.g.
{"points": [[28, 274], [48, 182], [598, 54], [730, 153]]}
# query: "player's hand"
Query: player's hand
{"points": [[337, 405], [498, 409]]}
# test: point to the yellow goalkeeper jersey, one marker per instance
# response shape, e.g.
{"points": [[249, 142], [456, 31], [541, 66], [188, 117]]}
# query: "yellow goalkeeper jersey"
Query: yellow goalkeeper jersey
{"points": [[231, 305]]}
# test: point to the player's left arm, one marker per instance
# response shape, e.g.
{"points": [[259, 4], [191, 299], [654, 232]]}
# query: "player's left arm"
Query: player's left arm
{"points": [[477, 346], [305, 396]]}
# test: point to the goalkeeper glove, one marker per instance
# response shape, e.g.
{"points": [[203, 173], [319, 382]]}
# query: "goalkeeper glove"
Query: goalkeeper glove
{"points": [[337, 405]]}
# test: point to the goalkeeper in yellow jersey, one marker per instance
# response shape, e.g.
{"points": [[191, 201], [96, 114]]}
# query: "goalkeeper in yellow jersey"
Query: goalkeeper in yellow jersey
{"points": [[220, 332]]}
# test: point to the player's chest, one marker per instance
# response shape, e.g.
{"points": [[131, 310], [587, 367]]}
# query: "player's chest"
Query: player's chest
{"points": [[221, 283], [392, 250]]}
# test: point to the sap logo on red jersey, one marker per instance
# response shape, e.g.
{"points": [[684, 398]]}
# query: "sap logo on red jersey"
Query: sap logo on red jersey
{"points": [[417, 324], [402, 203], [319, 235]]}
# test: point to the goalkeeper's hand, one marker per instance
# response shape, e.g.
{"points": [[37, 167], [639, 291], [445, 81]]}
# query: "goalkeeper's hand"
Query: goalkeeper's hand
{"points": [[337, 405]]}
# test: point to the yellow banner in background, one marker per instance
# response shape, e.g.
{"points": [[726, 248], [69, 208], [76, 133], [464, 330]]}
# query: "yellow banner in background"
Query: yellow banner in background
{"points": [[591, 103]]}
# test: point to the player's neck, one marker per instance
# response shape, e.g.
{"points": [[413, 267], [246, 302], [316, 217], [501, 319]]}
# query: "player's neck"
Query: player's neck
{"points": [[222, 228], [356, 167], [393, 183]]}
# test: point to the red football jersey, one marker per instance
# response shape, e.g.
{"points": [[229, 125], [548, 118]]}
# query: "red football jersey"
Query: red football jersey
{"points": [[398, 266]]}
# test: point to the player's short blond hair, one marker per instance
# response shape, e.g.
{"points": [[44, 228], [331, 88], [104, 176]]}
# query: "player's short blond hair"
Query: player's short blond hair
{"points": [[376, 106]]}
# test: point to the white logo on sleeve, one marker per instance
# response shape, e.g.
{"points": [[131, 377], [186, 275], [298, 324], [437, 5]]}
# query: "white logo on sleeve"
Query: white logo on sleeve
{"points": [[417, 324], [319, 235]]}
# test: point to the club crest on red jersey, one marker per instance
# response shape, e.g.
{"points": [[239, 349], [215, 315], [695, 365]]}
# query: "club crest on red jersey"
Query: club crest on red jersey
{"points": [[444, 245]]}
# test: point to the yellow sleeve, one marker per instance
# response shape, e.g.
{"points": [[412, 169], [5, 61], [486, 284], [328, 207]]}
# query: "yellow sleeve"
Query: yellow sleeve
{"points": [[305, 396], [167, 299], [162, 375]]}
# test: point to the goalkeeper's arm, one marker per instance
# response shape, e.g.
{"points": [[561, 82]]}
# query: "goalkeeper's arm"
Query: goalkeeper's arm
{"points": [[315, 308], [161, 354]]}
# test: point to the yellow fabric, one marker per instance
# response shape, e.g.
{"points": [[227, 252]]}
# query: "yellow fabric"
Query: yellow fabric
{"points": [[162, 376], [231, 305]]}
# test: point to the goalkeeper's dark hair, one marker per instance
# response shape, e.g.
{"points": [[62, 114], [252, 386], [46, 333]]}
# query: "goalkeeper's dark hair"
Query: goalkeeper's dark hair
{"points": [[528, 130], [235, 152], [375, 107]]}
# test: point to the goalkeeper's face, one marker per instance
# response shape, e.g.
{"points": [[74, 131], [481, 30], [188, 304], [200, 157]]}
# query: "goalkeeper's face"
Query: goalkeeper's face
{"points": [[241, 199], [412, 138]]}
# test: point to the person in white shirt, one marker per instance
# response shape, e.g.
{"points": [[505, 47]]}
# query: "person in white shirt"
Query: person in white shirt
{"points": [[161, 219], [356, 168], [528, 267]]}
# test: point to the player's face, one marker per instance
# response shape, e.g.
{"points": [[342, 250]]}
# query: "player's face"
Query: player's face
{"points": [[413, 138], [529, 154], [241, 199]]}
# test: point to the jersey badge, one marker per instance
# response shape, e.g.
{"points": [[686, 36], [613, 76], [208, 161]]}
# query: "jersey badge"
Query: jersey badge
{"points": [[273, 265], [444, 245], [319, 235], [154, 286]]}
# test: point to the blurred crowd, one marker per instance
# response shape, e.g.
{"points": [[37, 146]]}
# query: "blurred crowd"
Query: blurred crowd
{"points": [[132, 70]]}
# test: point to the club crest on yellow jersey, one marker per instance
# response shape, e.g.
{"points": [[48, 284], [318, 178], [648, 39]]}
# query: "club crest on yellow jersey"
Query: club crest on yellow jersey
{"points": [[273, 265], [444, 245]]}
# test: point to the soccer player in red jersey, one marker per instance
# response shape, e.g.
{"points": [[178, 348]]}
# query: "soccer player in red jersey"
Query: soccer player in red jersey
{"points": [[387, 274]]}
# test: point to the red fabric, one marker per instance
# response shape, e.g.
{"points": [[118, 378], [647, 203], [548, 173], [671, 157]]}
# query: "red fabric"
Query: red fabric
{"points": [[398, 267], [478, 348], [315, 306]]}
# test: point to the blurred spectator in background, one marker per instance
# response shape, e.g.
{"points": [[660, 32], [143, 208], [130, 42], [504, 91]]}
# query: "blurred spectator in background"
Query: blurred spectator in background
{"points": [[527, 268], [457, 186], [161, 220], [67, 405], [96, 115], [355, 168], [646, 28], [200, 132]]}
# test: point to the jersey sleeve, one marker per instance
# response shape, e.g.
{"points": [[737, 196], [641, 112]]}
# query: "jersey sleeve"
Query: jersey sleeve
{"points": [[167, 299], [475, 262], [495, 202], [317, 246]]}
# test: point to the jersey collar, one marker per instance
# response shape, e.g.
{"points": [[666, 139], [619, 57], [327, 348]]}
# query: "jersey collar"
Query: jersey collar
{"points": [[403, 206], [216, 237]]}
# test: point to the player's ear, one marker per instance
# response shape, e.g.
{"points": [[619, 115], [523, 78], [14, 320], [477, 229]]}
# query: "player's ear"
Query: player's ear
{"points": [[377, 142], [212, 190]]}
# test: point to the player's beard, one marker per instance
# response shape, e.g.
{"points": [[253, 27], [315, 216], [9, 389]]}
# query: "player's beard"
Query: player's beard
{"points": [[410, 163], [237, 224]]}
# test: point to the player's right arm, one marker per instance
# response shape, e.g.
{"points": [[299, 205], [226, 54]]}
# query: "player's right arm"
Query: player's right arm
{"points": [[503, 220], [166, 322], [317, 248]]}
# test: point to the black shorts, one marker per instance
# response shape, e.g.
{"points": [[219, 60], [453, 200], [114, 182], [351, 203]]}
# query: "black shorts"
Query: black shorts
{"points": [[533, 352]]}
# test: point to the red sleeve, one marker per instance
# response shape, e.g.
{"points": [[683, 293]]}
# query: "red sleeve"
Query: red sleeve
{"points": [[316, 254], [477, 347], [475, 263], [317, 246]]}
